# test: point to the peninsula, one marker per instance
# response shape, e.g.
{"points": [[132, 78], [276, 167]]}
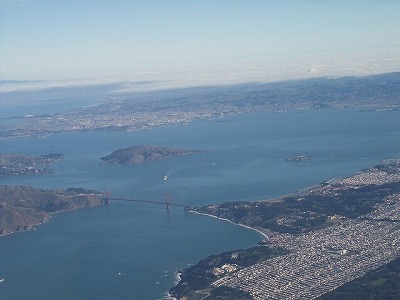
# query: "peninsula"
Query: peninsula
{"points": [[140, 154], [20, 164], [23, 207], [319, 239]]}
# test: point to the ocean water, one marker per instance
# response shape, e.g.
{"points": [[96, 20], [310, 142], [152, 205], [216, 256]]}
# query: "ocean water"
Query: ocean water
{"points": [[133, 250]]}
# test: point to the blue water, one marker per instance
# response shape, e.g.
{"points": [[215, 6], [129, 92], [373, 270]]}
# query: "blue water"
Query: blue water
{"points": [[79, 255]]}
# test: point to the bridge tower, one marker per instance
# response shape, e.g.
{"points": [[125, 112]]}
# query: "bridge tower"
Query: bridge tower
{"points": [[167, 200], [107, 197]]}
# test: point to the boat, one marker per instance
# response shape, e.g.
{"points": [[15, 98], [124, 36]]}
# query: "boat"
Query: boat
{"points": [[1, 280], [165, 178]]}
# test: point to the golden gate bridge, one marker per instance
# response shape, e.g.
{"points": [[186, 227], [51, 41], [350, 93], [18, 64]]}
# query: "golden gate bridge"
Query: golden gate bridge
{"points": [[167, 202]]}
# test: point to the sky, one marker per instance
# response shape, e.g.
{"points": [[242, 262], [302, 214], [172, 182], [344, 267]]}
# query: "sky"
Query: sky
{"points": [[195, 42]]}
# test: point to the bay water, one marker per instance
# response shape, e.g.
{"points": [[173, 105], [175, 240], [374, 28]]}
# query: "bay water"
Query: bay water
{"points": [[133, 250]]}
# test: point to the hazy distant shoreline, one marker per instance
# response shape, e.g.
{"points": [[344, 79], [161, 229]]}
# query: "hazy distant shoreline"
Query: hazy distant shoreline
{"points": [[132, 112]]}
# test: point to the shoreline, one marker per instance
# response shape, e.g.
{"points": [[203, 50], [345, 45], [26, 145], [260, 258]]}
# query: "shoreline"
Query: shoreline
{"points": [[265, 236], [184, 123], [31, 227], [238, 224], [167, 295], [46, 219]]}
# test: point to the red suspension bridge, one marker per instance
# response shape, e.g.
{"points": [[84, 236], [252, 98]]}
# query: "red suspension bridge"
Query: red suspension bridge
{"points": [[167, 201]]}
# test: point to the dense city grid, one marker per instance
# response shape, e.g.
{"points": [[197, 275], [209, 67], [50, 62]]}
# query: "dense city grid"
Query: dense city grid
{"points": [[322, 260]]}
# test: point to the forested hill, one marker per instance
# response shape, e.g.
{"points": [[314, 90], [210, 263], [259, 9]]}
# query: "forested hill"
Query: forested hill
{"points": [[139, 154]]}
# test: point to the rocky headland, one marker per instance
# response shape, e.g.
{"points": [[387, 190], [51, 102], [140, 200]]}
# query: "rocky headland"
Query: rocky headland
{"points": [[23, 207]]}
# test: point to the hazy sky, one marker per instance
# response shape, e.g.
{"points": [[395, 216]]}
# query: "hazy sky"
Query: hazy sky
{"points": [[196, 41]]}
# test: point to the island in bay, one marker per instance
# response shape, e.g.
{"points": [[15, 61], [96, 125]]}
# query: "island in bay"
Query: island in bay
{"points": [[23, 207], [146, 153], [321, 241], [12, 164], [299, 158]]}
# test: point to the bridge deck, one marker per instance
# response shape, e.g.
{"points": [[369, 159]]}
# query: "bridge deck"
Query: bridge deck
{"points": [[149, 201]]}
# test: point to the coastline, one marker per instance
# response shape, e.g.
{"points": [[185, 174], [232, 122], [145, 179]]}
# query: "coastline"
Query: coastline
{"points": [[92, 201], [265, 235], [378, 184], [30, 227], [168, 296], [238, 224]]}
